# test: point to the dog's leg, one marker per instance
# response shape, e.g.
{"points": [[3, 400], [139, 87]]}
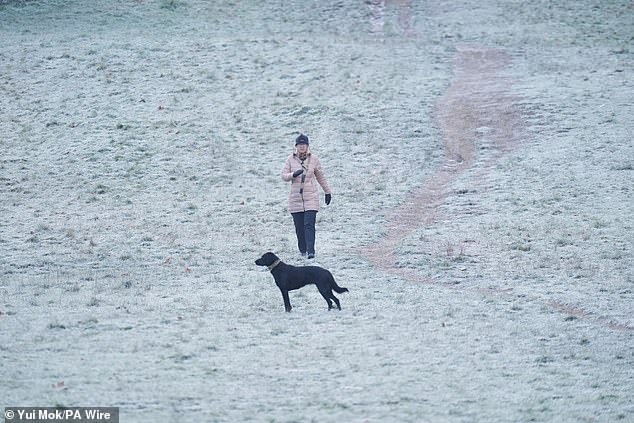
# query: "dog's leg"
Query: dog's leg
{"points": [[325, 292], [287, 301], [335, 300]]}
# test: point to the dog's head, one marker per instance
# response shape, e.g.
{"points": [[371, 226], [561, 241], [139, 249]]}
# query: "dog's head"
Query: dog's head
{"points": [[267, 259]]}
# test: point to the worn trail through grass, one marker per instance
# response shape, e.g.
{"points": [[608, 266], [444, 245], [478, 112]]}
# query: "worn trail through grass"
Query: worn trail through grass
{"points": [[478, 101]]}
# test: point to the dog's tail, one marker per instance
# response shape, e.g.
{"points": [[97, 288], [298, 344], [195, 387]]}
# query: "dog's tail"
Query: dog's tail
{"points": [[338, 289]]}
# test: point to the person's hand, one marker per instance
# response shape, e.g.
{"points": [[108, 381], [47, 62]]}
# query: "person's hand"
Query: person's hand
{"points": [[297, 173], [328, 198]]}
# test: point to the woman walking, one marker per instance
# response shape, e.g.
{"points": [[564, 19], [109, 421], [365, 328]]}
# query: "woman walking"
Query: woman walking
{"points": [[303, 170]]}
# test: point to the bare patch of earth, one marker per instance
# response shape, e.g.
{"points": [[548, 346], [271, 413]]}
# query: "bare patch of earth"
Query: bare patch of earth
{"points": [[478, 102]]}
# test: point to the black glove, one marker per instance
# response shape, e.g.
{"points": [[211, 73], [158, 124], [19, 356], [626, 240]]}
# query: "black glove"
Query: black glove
{"points": [[297, 173], [328, 198]]}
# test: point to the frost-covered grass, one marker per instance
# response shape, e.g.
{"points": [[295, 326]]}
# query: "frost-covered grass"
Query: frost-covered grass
{"points": [[142, 143]]}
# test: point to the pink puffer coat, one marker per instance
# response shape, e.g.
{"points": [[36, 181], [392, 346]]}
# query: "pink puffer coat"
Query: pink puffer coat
{"points": [[304, 196]]}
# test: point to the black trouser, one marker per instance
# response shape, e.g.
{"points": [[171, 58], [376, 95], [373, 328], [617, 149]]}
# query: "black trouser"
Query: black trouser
{"points": [[305, 230]]}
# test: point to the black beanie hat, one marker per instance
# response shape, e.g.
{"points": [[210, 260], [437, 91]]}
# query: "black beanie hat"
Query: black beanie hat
{"points": [[301, 139]]}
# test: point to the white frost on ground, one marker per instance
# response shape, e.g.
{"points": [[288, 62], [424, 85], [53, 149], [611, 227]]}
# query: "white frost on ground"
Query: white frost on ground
{"points": [[141, 148]]}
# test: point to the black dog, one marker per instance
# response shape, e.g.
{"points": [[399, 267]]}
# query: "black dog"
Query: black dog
{"points": [[289, 278]]}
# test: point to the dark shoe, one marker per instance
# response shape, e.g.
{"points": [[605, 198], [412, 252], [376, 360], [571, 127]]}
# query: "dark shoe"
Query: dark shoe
{"points": [[311, 256]]}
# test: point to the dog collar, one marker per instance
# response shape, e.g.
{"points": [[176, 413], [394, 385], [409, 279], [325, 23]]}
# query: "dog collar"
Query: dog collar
{"points": [[271, 267]]}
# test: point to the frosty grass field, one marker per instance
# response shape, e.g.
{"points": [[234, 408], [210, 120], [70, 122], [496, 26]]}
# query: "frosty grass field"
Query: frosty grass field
{"points": [[481, 158]]}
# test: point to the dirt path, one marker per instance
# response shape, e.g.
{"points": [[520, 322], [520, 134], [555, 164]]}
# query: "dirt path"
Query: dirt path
{"points": [[478, 101]]}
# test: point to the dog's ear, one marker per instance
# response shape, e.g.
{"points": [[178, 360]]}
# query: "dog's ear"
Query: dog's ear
{"points": [[271, 257]]}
